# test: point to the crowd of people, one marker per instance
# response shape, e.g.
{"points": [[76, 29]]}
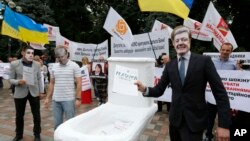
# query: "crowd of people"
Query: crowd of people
{"points": [[188, 75], [189, 113], [29, 77]]}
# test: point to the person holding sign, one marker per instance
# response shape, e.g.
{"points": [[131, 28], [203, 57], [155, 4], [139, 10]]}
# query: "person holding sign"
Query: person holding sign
{"points": [[25, 75], [100, 81], [86, 84], [221, 63], [188, 75]]}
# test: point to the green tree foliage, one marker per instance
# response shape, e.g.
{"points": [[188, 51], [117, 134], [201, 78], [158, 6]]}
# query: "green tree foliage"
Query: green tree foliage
{"points": [[83, 20], [73, 17], [38, 10]]}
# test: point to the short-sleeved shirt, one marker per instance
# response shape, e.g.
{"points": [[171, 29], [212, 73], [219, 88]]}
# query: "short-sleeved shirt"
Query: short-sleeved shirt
{"points": [[64, 75], [228, 64]]}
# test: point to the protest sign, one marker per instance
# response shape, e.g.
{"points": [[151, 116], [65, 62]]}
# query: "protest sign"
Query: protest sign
{"points": [[86, 85], [237, 84], [124, 79], [167, 96], [4, 70], [245, 56], [141, 46]]}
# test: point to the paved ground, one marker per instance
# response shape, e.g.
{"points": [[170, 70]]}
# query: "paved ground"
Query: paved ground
{"points": [[157, 130]]}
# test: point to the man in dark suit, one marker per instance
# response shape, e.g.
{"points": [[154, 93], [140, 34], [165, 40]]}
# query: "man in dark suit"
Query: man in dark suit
{"points": [[188, 75]]}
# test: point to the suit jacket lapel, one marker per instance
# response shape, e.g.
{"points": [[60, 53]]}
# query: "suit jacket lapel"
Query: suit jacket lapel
{"points": [[191, 65], [176, 70]]}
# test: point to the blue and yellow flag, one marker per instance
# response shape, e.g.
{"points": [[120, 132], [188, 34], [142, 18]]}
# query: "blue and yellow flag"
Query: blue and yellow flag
{"points": [[180, 8], [23, 28]]}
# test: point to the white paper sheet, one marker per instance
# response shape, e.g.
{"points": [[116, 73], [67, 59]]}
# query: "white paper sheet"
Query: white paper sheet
{"points": [[124, 79], [28, 75]]}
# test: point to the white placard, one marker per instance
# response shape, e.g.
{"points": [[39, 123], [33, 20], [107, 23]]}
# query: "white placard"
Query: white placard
{"points": [[28, 75], [237, 84], [124, 79], [86, 85], [167, 96], [141, 46], [4, 70], [245, 56]]}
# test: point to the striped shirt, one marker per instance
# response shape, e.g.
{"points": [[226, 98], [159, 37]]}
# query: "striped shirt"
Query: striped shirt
{"points": [[64, 75]]}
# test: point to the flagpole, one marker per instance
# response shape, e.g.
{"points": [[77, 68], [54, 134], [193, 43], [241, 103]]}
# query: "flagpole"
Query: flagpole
{"points": [[94, 52], [151, 45]]}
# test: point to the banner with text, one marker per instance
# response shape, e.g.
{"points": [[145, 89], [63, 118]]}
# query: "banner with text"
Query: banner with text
{"points": [[78, 50], [158, 26], [92, 51], [237, 84], [167, 96], [53, 31], [141, 46], [234, 55]]}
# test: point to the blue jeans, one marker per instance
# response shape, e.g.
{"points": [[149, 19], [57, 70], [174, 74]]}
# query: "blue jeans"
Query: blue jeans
{"points": [[61, 107]]}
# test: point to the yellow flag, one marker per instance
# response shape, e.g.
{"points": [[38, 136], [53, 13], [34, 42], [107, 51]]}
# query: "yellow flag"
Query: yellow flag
{"points": [[180, 8]]}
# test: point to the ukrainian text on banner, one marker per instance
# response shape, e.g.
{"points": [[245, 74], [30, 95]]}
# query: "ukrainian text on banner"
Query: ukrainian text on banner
{"points": [[60, 40], [195, 29], [52, 31], [78, 50], [141, 46], [245, 56], [158, 26], [167, 96], [124, 79], [92, 51], [214, 25], [86, 85], [237, 84]]}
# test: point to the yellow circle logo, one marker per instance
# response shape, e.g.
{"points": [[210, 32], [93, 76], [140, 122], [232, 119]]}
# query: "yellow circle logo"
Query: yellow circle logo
{"points": [[121, 27]]}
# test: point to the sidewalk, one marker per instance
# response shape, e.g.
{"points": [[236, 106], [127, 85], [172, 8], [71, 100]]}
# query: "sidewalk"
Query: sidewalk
{"points": [[157, 130]]}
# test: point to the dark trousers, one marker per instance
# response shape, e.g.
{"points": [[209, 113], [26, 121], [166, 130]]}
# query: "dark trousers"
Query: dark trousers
{"points": [[183, 133], [1, 82], [20, 104], [212, 111], [160, 103]]}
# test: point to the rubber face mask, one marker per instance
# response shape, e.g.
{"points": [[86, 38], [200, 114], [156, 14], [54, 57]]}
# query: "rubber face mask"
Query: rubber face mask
{"points": [[182, 43], [62, 56], [63, 59], [29, 55]]}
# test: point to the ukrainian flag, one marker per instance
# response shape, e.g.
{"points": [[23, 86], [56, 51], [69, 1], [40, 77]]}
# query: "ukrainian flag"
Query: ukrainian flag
{"points": [[23, 28], [180, 8]]}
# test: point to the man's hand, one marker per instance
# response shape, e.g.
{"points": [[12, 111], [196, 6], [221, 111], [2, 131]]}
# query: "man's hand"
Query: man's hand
{"points": [[140, 86], [21, 82], [222, 134], [78, 103], [42, 96], [46, 103]]}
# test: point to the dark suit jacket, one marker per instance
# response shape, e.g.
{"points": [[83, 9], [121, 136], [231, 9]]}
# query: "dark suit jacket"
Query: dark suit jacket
{"points": [[188, 101]]}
